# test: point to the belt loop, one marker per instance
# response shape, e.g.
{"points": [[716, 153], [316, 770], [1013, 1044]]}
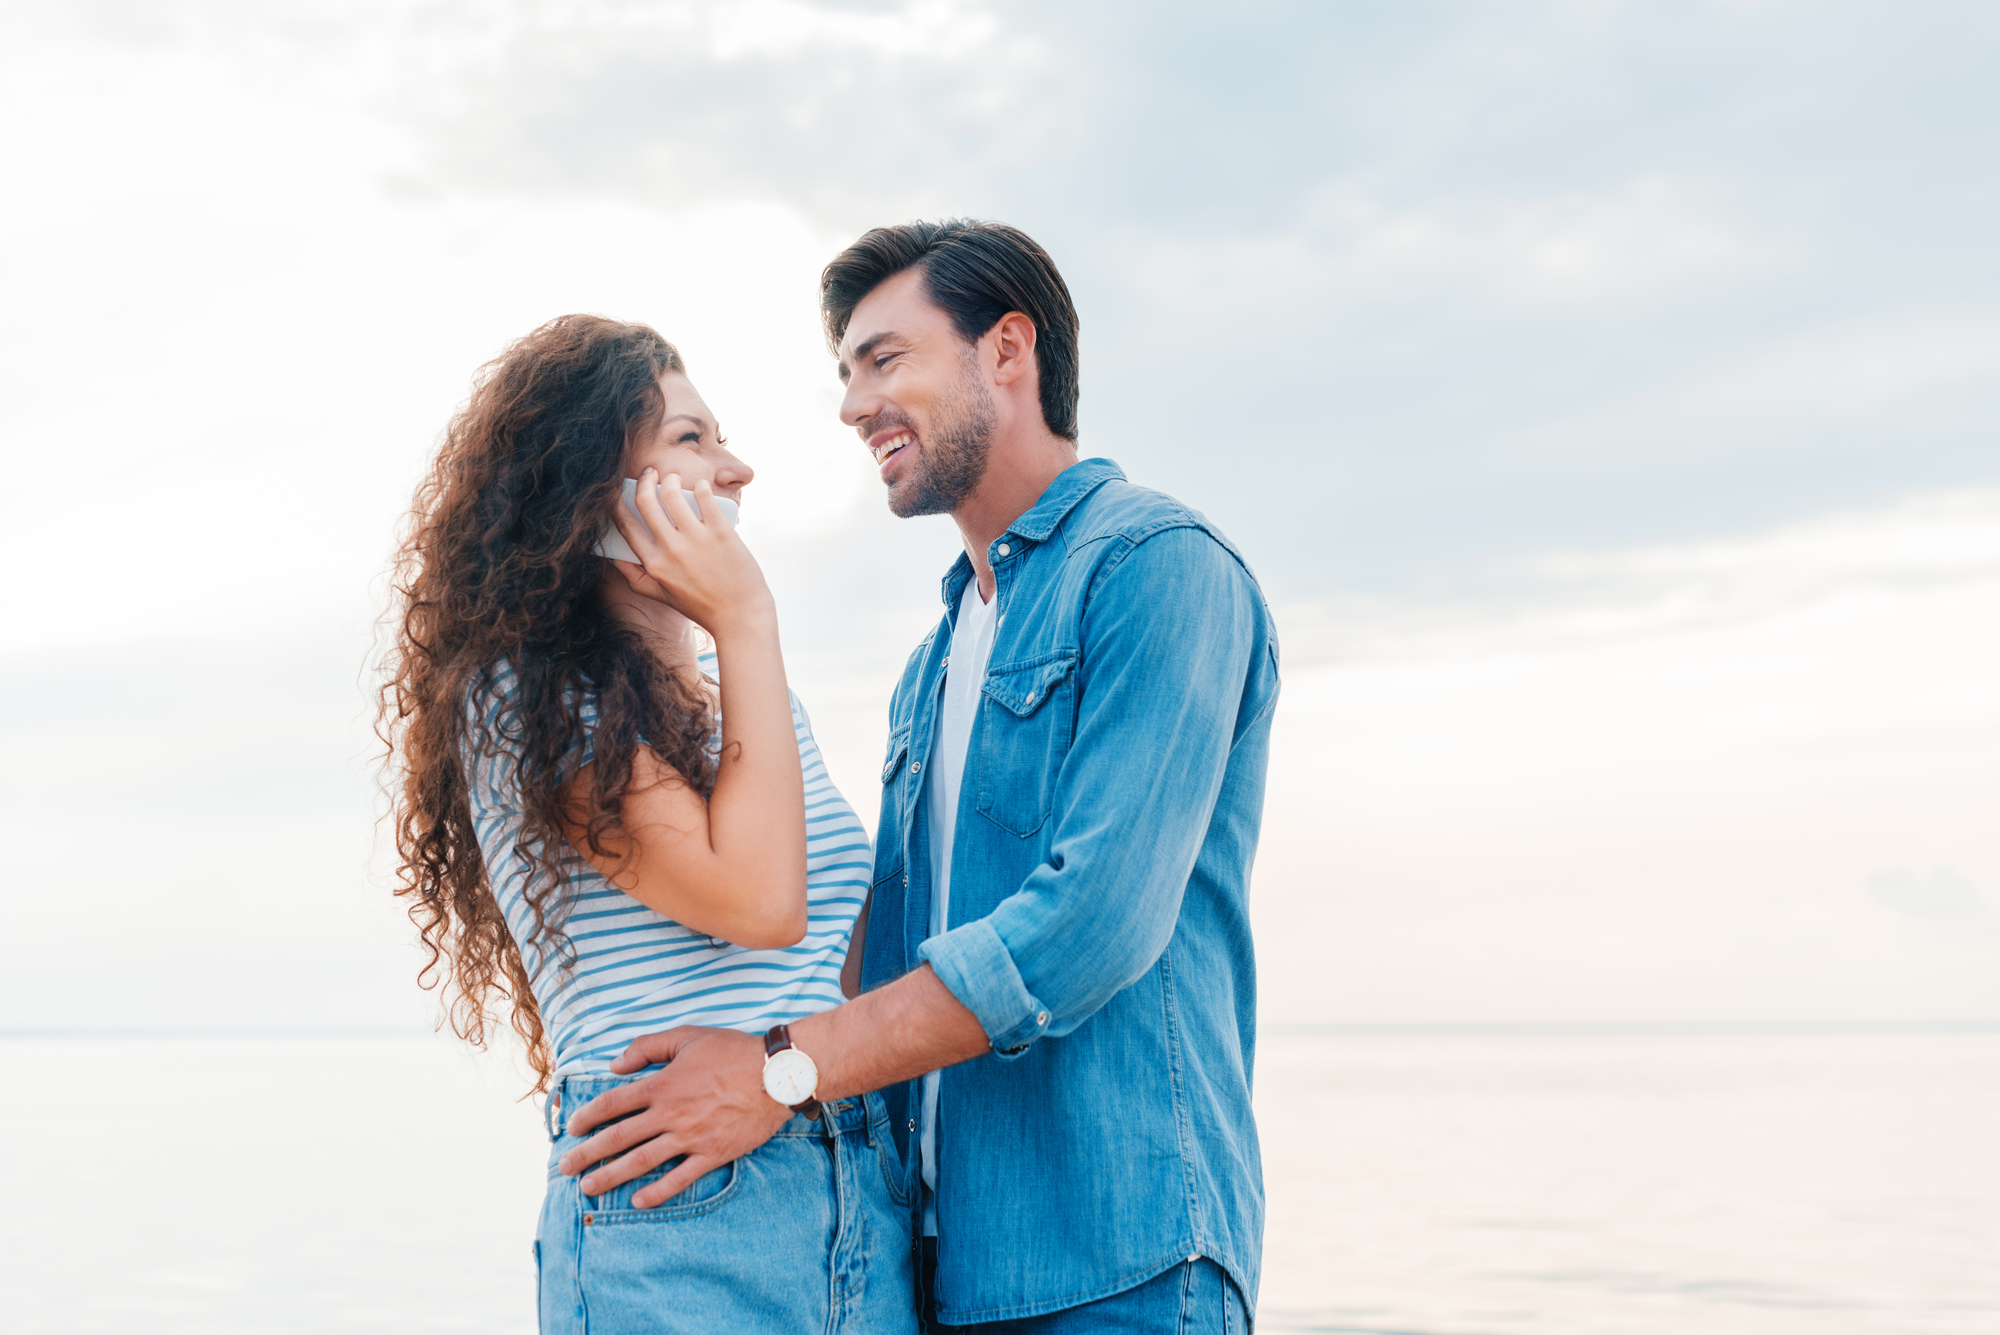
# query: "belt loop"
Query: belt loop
{"points": [[552, 1111]]}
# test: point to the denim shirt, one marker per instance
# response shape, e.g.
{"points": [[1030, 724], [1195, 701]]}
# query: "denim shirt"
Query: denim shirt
{"points": [[1099, 918]]}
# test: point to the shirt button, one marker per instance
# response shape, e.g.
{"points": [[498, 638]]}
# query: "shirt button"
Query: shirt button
{"points": [[916, 766], [1042, 1018], [1005, 550], [913, 1124], [947, 660], [1193, 1258]]}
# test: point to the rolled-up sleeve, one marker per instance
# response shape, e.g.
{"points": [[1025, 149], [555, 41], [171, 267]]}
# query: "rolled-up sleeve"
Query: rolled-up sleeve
{"points": [[1167, 636]]}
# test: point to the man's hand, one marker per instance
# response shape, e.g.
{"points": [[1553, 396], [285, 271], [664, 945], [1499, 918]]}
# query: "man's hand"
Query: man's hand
{"points": [[709, 1104]]}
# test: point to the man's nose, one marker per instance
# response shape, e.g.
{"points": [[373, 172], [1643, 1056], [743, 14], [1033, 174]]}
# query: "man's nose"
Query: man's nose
{"points": [[858, 405]]}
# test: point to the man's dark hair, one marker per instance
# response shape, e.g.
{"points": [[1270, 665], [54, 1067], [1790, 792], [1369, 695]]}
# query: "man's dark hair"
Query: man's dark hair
{"points": [[977, 272]]}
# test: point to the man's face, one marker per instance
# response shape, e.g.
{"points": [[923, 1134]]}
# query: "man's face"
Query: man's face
{"points": [[917, 395]]}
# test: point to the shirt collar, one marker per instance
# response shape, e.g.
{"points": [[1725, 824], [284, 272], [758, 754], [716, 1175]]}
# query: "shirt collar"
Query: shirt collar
{"points": [[1071, 486], [1042, 518]]}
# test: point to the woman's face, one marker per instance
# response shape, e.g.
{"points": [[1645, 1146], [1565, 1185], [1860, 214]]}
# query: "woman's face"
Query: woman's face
{"points": [[687, 442]]}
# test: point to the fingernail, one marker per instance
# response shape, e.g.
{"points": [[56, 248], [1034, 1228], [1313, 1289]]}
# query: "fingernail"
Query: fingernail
{"points": [[589, 1186]]}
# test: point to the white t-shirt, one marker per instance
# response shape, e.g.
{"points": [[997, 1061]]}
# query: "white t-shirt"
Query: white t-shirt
{"points": [[964, 673]]}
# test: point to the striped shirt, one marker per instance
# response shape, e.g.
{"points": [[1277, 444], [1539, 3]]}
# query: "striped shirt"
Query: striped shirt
{"points": [[635, 971]]}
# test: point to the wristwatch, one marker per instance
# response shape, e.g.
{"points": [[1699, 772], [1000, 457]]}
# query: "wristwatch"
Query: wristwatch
{"points": [[789, 1075]]}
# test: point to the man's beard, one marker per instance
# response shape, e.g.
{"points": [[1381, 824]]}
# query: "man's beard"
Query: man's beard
{"points": [[952, 458]]}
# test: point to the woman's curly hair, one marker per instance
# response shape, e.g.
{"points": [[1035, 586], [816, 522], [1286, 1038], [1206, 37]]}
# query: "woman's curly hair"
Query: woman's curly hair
{"points": [[496, 574]]}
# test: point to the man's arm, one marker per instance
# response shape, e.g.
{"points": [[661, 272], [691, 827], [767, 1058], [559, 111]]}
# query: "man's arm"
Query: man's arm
{"points": [[710, 1105], [1168, 640]]}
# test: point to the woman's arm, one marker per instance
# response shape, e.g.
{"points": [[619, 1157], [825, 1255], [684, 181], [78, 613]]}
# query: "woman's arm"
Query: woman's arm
{"points": [[734, 866]]}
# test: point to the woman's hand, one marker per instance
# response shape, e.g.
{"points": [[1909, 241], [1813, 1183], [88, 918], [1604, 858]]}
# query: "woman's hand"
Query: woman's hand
{"points": [[696, 565], [732, 865]]}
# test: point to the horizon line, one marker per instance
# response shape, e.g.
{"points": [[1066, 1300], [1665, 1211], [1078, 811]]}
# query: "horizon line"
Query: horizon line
{"points": [[1439, 1029], [1631, 1028]]}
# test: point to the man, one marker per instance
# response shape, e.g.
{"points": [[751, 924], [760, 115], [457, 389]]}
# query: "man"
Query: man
{"points": [[1060, 1003]]}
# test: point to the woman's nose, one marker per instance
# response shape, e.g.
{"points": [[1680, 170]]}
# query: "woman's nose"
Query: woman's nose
{"points": [[732, 472]]}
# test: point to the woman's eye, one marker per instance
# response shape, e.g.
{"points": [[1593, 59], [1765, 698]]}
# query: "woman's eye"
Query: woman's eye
{"points": [[690, 438]]}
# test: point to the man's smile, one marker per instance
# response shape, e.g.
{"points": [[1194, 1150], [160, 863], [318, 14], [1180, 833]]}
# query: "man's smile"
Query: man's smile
{"points": [[885, 445]]}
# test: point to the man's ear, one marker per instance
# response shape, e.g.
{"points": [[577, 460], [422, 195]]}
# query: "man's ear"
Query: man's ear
{"points": [[1013, 336]]}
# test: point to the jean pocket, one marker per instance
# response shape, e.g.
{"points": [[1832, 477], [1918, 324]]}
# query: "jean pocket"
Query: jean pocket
{"points": [[896, 1173], [1029, 714], [711, 1191]]}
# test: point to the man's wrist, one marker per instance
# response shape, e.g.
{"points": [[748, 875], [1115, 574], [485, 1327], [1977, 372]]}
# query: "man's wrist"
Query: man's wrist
{"points": [[818, 1036], [896, 1032]]}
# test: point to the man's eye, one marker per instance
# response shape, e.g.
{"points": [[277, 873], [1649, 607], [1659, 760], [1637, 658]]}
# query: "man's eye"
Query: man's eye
{"points": [[884, 360]]}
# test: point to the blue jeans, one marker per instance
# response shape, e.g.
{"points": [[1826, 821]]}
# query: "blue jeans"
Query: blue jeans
{"points": [[809, 1232], [1193, 1298]]}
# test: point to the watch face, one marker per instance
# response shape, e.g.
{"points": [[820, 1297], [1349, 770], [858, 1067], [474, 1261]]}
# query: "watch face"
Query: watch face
{"points": [[790, 1077]]}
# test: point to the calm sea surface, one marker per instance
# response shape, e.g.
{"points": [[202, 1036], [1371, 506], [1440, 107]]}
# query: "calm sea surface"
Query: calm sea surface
{"points": [[1743, 1184]]}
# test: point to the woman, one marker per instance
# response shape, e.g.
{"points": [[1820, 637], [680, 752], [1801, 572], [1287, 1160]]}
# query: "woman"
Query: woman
{"points": [[609, 833]]}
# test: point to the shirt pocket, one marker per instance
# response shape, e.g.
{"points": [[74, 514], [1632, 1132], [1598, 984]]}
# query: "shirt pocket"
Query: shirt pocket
{"points": [[896, 792], [1028, 714], [894, 763]]}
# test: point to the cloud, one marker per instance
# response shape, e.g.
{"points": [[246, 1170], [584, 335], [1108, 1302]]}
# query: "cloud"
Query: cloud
{"points": [[1648, 780], [1399, 293], [1607, 393], [1942, 549], [1942, 895], [1916, 374], [849, 112]]}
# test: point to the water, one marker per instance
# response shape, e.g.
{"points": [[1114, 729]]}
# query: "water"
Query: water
{"points": [[1743, 1184], [1451, 1185]]}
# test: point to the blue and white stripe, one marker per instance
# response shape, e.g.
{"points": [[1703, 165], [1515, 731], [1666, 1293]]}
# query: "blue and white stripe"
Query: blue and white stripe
{"points": [[636, 972]]}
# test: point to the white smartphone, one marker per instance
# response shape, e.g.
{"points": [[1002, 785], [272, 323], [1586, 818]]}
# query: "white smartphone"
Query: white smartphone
{"points": [[613, 543]]}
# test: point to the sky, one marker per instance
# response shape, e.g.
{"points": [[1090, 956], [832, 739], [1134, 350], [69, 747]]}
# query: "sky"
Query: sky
{"points": [[1607, 396]]}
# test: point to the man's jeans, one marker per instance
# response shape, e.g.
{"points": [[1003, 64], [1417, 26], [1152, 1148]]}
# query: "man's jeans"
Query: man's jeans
{"points": [[1193, 1298]]}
